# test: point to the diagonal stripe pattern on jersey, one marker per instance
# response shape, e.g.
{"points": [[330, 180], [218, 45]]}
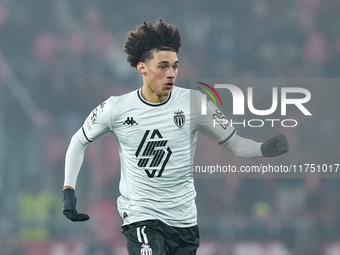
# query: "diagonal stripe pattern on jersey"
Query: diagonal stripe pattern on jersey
{"points": [[155, 152]]}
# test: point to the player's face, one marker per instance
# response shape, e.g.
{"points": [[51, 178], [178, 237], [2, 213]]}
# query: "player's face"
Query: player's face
{"points": [[159, 74]]}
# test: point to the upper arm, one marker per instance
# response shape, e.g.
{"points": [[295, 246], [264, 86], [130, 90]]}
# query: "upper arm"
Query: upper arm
{"points": [[99, 121], [215, 125]]}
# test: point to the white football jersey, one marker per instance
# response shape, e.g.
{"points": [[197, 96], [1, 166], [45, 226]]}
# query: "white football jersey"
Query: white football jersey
{"points": [[156, 145]]}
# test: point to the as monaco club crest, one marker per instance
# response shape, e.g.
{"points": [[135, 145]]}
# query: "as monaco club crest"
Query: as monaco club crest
{"points": [[179, 118]]}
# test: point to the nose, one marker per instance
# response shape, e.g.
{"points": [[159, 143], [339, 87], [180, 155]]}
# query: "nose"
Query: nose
{"points": [[172, 72]]}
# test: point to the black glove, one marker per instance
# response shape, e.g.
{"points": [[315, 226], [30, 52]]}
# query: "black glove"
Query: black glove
{"points": [[70, 210], [275, 146]]}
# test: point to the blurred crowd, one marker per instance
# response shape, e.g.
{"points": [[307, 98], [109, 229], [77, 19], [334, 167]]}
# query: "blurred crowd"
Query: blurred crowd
{"points": [[61, 58]]}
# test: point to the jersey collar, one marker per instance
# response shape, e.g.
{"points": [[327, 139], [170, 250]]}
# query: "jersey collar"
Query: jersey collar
{"points": [[151, 104]]}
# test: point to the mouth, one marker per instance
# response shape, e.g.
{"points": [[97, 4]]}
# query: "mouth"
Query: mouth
{"points": [[169, 85]]}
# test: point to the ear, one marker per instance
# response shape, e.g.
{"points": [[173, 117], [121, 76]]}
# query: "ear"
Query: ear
{"points": [[141, 67]]}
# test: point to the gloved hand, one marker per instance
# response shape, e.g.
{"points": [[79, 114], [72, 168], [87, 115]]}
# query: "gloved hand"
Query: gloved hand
{"points": [[275, 146], [70, 210]]}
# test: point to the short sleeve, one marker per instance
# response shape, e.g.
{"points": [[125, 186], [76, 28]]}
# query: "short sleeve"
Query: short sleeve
{"points": [[99, 120], [215, 125]]}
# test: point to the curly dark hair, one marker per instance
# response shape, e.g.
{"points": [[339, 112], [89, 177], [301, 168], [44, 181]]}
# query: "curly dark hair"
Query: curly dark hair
{"points": [[147, 38]]}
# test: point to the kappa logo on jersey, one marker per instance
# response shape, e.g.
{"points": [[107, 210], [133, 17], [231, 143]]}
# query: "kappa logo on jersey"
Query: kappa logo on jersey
{"points": [[179, 118], [130, 121], [152, 153]]}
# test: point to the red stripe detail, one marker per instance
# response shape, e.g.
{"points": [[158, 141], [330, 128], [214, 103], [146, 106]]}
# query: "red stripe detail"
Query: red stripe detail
{"points": [[210, 87]]}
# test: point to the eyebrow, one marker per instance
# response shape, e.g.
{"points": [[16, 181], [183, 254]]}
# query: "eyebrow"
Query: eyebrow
{"points": [[167, 62]]}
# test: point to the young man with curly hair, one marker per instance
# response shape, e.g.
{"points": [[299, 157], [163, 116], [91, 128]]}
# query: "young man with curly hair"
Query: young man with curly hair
{"points": [[156, 128]]}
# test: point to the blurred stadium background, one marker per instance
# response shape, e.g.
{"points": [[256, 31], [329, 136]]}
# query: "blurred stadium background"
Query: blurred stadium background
{"points": [[61, 58]]}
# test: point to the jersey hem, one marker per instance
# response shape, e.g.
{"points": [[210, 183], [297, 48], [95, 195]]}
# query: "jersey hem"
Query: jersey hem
{"points": [[228, 138], [82, 128], [183, 225]]}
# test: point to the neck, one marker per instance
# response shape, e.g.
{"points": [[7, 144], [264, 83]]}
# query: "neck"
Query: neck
{"points": [[151, 97]]}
